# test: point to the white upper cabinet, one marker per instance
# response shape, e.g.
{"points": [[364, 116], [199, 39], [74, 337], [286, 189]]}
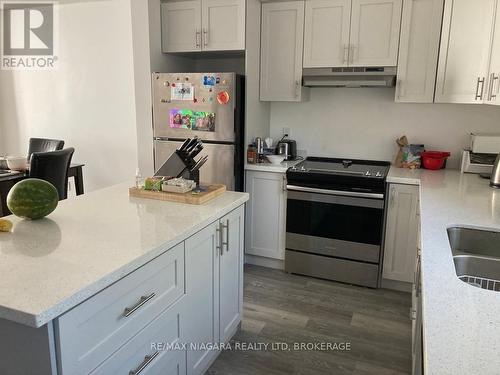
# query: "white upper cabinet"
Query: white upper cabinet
{"points": [[223, 25], [494, 71], [282, 32], [375, 26], [181, 26], [326, 33], [465, 50], [419, 50], [203, 25]]}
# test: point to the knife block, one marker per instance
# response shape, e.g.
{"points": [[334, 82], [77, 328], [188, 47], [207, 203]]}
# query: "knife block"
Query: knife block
{"points": [[179, 165]]}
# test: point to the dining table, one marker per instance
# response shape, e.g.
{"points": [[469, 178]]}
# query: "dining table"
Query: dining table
{"points": [[8, 180]]}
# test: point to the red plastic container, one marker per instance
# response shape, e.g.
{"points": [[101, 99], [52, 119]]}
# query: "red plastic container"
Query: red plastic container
{"points": [[434, 159]]}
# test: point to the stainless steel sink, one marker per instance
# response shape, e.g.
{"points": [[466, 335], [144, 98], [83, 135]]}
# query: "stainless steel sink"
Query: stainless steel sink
{"points": [[476, 254]]}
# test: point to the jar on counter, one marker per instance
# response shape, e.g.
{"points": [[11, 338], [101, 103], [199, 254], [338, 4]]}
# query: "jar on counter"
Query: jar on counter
{"points": [[252, 154]]}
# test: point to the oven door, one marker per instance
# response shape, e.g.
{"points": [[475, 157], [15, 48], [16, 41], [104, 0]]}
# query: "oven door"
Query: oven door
{"points": [[339, 224]]}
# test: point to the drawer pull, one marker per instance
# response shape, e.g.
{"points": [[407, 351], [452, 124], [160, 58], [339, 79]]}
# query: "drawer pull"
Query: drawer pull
{"points": [[226, 227], [147, 361], [144, 299]]}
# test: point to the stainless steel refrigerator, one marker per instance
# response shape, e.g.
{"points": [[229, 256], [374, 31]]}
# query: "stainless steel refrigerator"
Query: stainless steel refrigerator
{"points": [[209, 106]]}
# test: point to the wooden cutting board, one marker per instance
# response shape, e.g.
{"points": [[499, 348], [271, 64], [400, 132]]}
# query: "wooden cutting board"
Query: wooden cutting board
{"points": [[209, 193]]}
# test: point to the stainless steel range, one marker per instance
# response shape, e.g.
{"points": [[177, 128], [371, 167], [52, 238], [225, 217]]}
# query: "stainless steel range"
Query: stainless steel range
{"points": [[335, 219]]}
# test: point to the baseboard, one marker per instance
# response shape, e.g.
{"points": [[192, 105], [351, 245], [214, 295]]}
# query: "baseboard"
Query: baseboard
{"points": [[277, 264], [400, 286]]}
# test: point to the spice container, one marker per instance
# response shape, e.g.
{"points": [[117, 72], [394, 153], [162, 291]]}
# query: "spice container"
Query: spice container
{"points": [[251, 154]]}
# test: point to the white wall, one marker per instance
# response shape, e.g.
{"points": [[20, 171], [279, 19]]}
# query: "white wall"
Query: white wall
{"points": [[364, 123], [142, 75], [89, 101]]}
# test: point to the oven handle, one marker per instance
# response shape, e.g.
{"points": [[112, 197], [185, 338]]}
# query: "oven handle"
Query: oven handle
{"points": [[335, 192]]}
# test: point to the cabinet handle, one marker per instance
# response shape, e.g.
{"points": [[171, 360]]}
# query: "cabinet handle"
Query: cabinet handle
{"points": [[226, 227], [413, 314], [401, 88], [480, 81], [346, 53], [218, 240], [220, 246], [205, 37], [144, 299], [392, 197], [147, 361], [197, 38], [493, 78], [297, 88], [352, 48]]}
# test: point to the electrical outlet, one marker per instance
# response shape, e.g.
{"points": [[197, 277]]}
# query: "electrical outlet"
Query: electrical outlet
{"points": [[286, 131]]}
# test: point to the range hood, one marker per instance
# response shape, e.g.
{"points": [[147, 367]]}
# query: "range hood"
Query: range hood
{"points": [[350, 77]]}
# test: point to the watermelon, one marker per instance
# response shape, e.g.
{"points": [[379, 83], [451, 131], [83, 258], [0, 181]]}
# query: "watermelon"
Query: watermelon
{"points": [[32, 198]]}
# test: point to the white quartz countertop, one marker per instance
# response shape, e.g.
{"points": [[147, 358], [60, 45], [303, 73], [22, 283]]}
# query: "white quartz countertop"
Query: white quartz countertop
{"points": [[268, 167], [461, 322], [405, 176], [89, 242]]}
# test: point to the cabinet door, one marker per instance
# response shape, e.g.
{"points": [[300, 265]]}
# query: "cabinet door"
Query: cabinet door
{"points": [[419, 50], [223, 25], [375, 26], [266, 212], [201, 313], [281, 51], [494, 76], [231, 273], [181, 26], [400, 249], [464, 53], [326, 33]]}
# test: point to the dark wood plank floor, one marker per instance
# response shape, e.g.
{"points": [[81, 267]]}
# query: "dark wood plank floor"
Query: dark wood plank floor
{"points": [[279, 307]]}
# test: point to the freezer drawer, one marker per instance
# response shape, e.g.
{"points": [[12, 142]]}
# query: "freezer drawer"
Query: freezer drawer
{"points": [[205, 99], [219, 168]]}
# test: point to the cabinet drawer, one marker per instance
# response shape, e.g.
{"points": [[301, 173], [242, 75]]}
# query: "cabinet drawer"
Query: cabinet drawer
{"points": [[148, 349], [95, 329]]}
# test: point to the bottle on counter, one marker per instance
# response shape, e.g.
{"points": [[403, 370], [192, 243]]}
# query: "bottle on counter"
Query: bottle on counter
{"points": [[251, 154]]}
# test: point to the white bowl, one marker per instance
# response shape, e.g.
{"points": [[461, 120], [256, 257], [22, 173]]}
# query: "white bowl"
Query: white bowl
{"points": [[17, 163], [276, 159]]}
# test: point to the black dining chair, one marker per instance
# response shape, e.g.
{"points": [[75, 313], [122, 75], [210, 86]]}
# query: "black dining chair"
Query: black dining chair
{"points": [[44, 145], [53, 167]]}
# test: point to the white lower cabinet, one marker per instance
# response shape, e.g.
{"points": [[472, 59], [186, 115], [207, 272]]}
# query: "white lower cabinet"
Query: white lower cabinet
{"points": [[201, 323], [191, 294], [266, 214], [231, 274], [214, 288], [401, 233]]}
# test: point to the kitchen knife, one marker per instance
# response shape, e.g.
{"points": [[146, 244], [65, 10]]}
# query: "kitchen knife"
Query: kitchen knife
{"points": [[184, 144], [199, 164], [191, 145], [196, 151]]}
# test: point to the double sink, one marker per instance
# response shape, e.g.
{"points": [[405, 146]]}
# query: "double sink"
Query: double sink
{"points": [[476, 254]]}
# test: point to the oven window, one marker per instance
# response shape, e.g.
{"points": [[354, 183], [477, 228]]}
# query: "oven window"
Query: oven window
{"points": [[335, 221]]}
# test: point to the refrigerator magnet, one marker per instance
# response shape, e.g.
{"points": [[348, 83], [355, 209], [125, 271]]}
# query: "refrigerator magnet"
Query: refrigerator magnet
{"points": [[223, 97], [208, 81]]}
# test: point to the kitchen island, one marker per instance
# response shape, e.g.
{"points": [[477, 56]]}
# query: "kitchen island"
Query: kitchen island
{"points": [[461, 323], [91, 287]]}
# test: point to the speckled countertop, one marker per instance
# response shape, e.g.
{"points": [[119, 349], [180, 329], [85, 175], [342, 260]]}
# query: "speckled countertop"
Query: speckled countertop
{"points": [[461, 322], [89, 242]]}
